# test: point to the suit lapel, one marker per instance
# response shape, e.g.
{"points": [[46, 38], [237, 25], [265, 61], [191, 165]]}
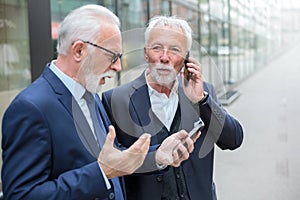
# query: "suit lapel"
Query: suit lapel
{"points": [[142, 110], [141, 107], [63, 94], [65, 97], [84, 131]]}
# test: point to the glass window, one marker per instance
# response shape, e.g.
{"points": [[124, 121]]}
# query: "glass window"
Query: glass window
{"points": [[159, 7], [204, 5], [14, 51], [132, 14], [216, 8], [60, 8], [14, 46]]}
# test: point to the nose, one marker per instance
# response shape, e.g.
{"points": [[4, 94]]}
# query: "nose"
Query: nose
{"points": [[164, 58], [116, 66]]}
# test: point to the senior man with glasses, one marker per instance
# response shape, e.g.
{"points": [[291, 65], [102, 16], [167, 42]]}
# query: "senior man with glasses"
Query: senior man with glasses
{"points": [[54, 132]]}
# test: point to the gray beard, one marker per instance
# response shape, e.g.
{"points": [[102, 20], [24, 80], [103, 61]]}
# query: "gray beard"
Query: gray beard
{"points": [[164, 80]]}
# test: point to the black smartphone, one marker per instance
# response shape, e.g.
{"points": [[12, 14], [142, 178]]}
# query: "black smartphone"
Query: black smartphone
{"points": [[189, 75]]}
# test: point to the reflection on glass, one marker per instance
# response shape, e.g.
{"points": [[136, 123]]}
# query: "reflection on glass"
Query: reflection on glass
{"points": [[14, 52], [235, 33], [14, 46]]}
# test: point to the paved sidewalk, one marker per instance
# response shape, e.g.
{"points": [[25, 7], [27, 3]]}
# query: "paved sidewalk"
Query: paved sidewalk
{"points": [[267, 166]]}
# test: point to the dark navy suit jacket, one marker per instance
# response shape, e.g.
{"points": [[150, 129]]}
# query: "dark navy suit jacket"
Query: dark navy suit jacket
{"points": [[43, 155], [129, 110]]}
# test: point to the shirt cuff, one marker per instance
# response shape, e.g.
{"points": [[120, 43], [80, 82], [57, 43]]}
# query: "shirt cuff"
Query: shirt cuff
{"points": [[108, 186], [161, 166]]}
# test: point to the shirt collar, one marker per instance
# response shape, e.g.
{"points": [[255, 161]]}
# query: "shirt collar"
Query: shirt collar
{"points": [[76, 89]]}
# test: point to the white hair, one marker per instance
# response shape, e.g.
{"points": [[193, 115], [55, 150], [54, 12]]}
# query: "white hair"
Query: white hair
{"points": [[171, 21], [83, 23]]}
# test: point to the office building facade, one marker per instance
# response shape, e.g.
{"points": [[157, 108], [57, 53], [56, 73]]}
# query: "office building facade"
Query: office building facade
{"points": [[232, 38]]}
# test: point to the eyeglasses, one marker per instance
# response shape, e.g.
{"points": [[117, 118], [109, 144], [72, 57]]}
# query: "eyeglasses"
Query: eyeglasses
{"points": [[174, 50], [115, 56]]}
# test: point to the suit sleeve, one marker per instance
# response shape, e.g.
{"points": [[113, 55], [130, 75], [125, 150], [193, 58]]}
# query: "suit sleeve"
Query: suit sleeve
{"points": [[27, 161], [222, 128]]}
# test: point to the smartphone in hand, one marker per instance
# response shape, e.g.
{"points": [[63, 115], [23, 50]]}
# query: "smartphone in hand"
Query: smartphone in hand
{"points": [[189, 75], [198, 126]]}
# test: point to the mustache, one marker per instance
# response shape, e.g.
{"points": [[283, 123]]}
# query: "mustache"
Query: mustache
{"points": [[162, 66], [165, 67], [108, 74]]}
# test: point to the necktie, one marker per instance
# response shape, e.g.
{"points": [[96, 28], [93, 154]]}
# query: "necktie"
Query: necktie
{"points": [[98, 125], [101, 135]]}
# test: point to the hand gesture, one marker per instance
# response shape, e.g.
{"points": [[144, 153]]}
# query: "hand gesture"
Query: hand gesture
{"points": [[175, 149], [193, 88], [119, 163]]}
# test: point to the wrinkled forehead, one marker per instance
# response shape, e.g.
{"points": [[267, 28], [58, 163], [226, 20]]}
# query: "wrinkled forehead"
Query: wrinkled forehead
{"points": [[172, 28], [168, 34]]}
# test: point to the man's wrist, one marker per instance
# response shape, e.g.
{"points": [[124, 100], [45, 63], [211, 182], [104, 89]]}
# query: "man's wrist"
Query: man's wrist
{"points": [[159, 165]]}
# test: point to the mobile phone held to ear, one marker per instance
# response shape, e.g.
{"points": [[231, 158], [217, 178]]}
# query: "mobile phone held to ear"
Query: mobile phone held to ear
{"points": [[189, 75], [198, 126]]}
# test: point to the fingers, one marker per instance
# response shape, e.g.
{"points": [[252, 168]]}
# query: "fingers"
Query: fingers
{"points": [[184, 148], [135, 155], [188, 143], [119, 163], [164, 154], [194, 62], [111, 135], [173, 150], [193, 88], [180, 154], [163, 157], [196, 71], [142, 144], [195, 138], [109, 142], [194, 67], [180, 135]]}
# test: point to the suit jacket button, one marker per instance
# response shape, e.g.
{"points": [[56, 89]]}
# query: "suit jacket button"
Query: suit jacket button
{"points": [[159, 178], [111, 195]]}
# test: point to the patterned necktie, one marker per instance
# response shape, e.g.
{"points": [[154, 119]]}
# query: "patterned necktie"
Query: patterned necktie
{"points": [[100, 132]]}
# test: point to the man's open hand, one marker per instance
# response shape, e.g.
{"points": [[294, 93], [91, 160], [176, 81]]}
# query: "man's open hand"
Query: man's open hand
{"points": [[119, 163]]}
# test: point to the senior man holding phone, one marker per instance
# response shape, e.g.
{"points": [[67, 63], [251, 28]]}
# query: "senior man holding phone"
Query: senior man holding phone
{"points": [[164, 100]]}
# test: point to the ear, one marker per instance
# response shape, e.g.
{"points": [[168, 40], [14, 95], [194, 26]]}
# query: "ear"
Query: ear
{"points": [[146, 54], [78, 50]]}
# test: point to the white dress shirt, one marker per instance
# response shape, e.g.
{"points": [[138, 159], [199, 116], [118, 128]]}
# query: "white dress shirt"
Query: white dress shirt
{"points": [[164, 107]]}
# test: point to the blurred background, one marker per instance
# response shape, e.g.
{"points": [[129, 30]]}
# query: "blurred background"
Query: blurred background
{"points": [[233, 39]]}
